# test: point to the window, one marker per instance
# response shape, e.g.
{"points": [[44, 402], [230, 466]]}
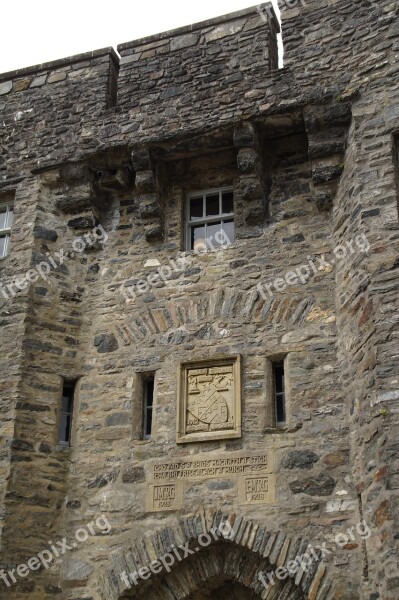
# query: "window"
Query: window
{"points": [[279, 392], [210, 219], [148, 404], [68, 392], [6, 218]]}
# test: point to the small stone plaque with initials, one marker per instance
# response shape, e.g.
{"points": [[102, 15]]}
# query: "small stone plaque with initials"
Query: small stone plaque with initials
{"points": [[164, 496], [257, 490], [209, 400]]}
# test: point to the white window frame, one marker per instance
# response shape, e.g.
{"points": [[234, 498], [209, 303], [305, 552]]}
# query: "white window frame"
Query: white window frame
{"points": [[221, 217], [6, 231]]}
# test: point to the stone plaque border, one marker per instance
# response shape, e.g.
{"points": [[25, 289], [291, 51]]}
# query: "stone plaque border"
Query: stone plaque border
{"points": [[182, 437], [258, 494], [167, 503]]}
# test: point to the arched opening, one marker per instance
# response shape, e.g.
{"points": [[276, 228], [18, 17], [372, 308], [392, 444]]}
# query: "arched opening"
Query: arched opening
{"points": [[218, 572], [214, 555]]}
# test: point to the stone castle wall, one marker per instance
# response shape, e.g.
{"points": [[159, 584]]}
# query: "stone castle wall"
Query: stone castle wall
{"points": [[309, 151]]}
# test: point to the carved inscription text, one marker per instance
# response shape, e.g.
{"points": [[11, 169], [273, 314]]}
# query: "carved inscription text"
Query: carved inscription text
{"points": [[214, 467]]}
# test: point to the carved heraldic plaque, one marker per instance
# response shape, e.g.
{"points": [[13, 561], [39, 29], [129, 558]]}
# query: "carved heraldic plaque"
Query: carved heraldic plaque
{"points": [[209, 401]]}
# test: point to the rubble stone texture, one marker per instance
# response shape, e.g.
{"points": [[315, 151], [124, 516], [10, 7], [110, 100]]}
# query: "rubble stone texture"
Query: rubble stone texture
{"points": [[309, 150]]}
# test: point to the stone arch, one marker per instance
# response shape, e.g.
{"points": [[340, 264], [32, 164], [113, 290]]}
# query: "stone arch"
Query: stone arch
{"points": [[178, 319], [238, 551]]}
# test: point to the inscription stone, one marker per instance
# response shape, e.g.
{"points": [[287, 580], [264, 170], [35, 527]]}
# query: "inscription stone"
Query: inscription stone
{"points": [[163, 497], [213, 467], [257, 490], [252, 473]]}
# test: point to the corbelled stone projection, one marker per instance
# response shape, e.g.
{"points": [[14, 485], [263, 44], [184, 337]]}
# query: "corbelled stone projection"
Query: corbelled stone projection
{"points": [[199, 313]]}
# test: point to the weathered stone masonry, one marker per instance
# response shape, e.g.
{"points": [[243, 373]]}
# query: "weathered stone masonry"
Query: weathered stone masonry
{"points": [[310, 153]]}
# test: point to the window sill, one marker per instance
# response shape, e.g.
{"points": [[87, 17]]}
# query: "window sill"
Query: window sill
{"points": [[60, 447], [283, 428], [209, 250]]}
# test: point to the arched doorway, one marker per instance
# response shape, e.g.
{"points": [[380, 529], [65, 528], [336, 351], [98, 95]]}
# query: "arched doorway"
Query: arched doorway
{"points": [[225, 568], [222, 571]]}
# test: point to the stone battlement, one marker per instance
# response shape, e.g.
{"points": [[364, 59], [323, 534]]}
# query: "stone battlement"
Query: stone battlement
{"points": [[188, 43]]}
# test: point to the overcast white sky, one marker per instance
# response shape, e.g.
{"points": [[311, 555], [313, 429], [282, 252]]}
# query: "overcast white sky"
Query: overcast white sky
{"points": [[36, 31]]}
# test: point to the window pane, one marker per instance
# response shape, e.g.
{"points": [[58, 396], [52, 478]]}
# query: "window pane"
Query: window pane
{"points": [[66, 411], [212, 205], [279, 378], [3, 244], [198, 238], [213, 235], [148, 423], [10, 217], [64, 428], [149, 392], [148, 405], [228, 232], [3, 216], [227, 202], [66, 404], [280, 408], [279, 392], [196, 208]]}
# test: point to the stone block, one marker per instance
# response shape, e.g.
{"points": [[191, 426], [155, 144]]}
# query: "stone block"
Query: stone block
{"points": [[133, 475], [45, 234], [56, 77], [184, 41], [22, 84], [300, 459], [76, 571], [117, 419], [247, 159], [153, 232], [317, 485], [244, 135], [5, 87], [145, 182], [82, 223], [224, 30], [106, 342]]}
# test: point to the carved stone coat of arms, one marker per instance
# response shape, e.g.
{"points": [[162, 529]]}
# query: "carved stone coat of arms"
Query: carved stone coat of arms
{"points": [[209, 400]]}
